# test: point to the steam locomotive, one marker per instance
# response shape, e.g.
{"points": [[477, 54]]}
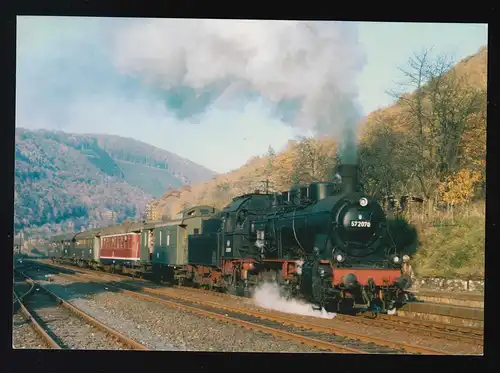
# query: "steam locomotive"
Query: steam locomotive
{"points": [[327, 242]]}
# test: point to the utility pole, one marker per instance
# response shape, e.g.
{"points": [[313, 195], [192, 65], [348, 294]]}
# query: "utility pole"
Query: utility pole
{"points": [[266, 182]]}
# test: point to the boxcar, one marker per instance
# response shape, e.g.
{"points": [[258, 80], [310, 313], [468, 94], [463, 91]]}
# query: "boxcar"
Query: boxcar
{"points": [[87, 247], [62, 247], [121, 245], [55, 247], [170, 250]]}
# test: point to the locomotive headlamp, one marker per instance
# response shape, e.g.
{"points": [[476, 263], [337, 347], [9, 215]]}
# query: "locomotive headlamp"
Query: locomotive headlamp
{"points": [[396, 259], [339, 258], [363, 202]]}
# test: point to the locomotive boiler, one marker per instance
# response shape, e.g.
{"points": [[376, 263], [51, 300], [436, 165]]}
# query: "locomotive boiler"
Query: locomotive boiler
{"points": [[327, 242]]}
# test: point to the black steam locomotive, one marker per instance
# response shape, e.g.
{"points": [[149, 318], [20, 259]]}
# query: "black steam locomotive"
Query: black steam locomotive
{"points": [[327, 242]]}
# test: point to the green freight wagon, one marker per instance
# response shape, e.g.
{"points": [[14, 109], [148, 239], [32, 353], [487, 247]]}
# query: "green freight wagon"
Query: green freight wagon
{"points": [[87, 245], [62, 247], [170, 250]]}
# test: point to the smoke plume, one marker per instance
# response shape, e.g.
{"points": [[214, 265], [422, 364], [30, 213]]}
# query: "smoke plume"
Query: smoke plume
{"points": [[306, 71], [268, 296]]}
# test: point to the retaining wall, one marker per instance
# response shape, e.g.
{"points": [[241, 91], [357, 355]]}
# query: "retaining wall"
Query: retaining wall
{"points": [[441, 283]]}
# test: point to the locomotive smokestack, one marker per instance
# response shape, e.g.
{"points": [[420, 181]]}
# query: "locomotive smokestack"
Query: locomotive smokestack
{"points": [[349, 175]]}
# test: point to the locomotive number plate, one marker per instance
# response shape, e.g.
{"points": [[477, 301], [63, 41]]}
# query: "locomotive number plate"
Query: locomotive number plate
{"points": [[360, 224]]}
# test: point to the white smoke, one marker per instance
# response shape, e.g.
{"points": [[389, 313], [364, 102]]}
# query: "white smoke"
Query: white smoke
{"points": [[313, 64], [268, 296]]}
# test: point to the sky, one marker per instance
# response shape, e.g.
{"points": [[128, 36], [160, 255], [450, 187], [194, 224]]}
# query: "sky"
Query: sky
{"points": [[216, 91]]}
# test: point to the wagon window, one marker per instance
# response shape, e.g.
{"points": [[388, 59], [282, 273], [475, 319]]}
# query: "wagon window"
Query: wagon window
{"points": [[168, 239], [196, 231], [160, 236]]}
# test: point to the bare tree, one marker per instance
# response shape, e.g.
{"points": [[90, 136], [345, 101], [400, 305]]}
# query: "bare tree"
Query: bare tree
{"points": [[436, 115]]}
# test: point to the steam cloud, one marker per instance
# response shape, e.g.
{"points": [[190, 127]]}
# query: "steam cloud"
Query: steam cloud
{"points": [[268, 296], [306, 71]]}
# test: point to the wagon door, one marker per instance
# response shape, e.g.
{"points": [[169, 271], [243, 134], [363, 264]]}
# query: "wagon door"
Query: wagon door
{"points": [[183, 245], [145, 257], [96, 248], [136, 246]]}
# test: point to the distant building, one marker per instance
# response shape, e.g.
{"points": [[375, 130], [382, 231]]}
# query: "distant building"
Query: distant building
{"points": [[152, 212]]}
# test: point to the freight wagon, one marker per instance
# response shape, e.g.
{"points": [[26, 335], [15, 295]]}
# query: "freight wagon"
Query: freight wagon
{"points": [[86, 248], [170, 249], [154, 247]]}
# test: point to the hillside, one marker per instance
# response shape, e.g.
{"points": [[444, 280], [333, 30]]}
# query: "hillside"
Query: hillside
{"points": [[161, 166], [72, 181]]}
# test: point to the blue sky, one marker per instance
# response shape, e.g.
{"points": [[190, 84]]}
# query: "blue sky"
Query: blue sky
{"points": [[213, 98]]}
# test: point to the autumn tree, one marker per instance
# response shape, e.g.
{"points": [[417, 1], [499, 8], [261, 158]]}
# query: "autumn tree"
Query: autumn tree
{"points": [[270, 179], [458, 189], [284, 168], [438, 118], [314, 160]]}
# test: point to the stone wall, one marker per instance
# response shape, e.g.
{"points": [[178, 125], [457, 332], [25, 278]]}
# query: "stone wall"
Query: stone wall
{"points": [[440, 283]]}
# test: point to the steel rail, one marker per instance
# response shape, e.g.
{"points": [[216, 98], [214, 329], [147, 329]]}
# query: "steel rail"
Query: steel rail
{"points": [[424, 327], [246, 324], [388, 322], [282, 320], [35, 325], [89, 319]]}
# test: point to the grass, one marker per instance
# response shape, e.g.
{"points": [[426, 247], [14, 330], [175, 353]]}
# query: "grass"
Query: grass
{"points": [[452, 246]]}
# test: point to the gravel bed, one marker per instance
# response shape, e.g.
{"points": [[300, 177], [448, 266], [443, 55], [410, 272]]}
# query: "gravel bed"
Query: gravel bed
{"points": [[65, 327], [162, 328], [455, 347], [23, 335]]}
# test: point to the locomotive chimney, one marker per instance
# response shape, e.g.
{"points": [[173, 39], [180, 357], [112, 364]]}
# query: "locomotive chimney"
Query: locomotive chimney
{"points": [[349, 175]]}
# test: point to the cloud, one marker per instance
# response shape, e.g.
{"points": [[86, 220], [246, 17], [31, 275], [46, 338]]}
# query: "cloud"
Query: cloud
{"points": [[214, 91], [308, 68]]}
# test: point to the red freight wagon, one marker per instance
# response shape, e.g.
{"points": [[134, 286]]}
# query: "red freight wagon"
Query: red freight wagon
{"points": [[120, 248]]}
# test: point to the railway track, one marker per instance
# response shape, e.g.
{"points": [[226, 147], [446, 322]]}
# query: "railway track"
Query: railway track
{"points": [[421, 327], [315, 335], [63, 326]]}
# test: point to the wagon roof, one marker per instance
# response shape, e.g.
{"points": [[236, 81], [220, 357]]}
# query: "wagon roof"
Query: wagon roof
{"points": [[63, 237], [122, 228], [114, 229], [198, 207], [151, 224], [135, 226], [167, 223], [87, 234]]}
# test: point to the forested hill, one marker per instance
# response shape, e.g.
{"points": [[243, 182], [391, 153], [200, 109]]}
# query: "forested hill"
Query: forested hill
{"points": [[76, 181]]}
